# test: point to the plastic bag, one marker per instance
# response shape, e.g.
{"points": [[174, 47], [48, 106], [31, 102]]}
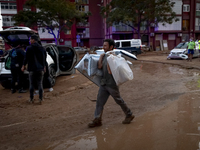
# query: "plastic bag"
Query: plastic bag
{"points": [[89, 65], [120, 69]]}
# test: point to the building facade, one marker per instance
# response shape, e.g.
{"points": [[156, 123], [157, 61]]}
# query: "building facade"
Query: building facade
{"points": [[88, 35], [93, 33], [164, 37]]}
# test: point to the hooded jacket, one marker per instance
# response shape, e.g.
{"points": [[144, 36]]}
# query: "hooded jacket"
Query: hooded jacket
{"points": [[35, 57], [17, 56]]}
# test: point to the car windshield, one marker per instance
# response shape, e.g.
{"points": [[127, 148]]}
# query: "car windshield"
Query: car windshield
{"points": [[182, 45]]}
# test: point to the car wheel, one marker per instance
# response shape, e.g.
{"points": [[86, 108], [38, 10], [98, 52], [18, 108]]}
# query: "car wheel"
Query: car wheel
{"points": [[134, 53], [52, 75]]}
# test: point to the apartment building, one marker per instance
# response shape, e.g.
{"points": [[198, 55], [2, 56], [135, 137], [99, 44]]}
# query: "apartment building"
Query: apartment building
{"points": [[164, 37], [91, 34]]}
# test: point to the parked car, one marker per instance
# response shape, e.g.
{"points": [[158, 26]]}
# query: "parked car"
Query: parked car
{"points": [[133, 46], [61, 59], [181, 51]]}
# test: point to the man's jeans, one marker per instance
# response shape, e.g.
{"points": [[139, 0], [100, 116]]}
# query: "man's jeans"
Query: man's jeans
{"points": [[17, 74], [102, 97], [36, 77]]}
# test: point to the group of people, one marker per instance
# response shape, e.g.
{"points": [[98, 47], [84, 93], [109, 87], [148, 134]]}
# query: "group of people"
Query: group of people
{"points": [[34, 56]]}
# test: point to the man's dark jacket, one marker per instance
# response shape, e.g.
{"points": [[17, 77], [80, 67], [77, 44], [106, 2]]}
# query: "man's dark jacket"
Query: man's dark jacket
{"points": [[35, 57]]}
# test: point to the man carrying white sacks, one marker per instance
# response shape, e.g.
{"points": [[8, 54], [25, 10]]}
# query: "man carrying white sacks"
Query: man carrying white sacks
{"points": [[108, 87]]}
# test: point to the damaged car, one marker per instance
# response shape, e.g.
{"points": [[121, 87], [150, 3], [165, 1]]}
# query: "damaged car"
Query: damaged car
{"points": [[181, 51]]}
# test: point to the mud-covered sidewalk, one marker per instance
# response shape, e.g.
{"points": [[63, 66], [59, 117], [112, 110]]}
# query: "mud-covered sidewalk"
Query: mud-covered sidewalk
{"points": [[164, 96]]}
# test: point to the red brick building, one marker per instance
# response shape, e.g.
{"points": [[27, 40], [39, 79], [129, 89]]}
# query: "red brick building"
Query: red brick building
{"points": [[90, 34], [188, 12]]}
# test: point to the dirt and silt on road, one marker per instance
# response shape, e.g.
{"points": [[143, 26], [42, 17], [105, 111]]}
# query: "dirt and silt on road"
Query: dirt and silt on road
{"points": [[164, 98]]}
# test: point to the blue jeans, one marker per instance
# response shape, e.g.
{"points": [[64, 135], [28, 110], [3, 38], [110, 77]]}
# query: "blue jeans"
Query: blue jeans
{"points": [[36, 77], [102, 97]]}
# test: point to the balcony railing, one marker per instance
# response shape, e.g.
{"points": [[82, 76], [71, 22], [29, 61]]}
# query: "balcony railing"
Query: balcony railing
{"points": [[8, 24], [117, 28]]}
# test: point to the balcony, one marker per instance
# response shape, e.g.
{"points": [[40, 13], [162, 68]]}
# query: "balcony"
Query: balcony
{"points": [[8, 11], [120, 28], [8, 24]]}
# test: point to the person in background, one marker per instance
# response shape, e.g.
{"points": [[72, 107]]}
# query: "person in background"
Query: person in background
{"points": [[108, 87], [35, 58], [17, 56], [190, 46]]}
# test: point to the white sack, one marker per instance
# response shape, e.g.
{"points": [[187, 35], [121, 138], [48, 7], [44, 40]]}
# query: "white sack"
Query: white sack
{"points": [[120, 69], [93, 66]]}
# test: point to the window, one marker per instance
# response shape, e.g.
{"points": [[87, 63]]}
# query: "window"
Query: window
{"points": [[197, 24], [8, 21], [82, 1], [26, 8], [143, 25], [8, 6], [82, 8], [186, 8], [198, 9], [185, 25], [126, 44]]}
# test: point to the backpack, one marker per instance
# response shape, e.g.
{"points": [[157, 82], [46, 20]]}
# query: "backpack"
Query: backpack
{"points": [[8, 62]]}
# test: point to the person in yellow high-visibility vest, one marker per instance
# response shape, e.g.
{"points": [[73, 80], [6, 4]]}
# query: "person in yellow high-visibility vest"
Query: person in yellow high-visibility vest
{"points": [[191, 46]]}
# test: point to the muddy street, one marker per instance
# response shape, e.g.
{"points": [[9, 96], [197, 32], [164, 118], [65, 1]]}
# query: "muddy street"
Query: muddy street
{"points": [[163, 97]]}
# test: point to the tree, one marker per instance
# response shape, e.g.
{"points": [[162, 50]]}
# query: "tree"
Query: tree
{"points": [[50, 14], [137, 13]]}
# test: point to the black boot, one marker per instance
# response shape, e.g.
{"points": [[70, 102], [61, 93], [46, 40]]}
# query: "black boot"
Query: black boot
{"points": [[95, 123]]}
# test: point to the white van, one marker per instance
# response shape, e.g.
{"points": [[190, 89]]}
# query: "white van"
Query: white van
{"points": [[133, 46]]}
